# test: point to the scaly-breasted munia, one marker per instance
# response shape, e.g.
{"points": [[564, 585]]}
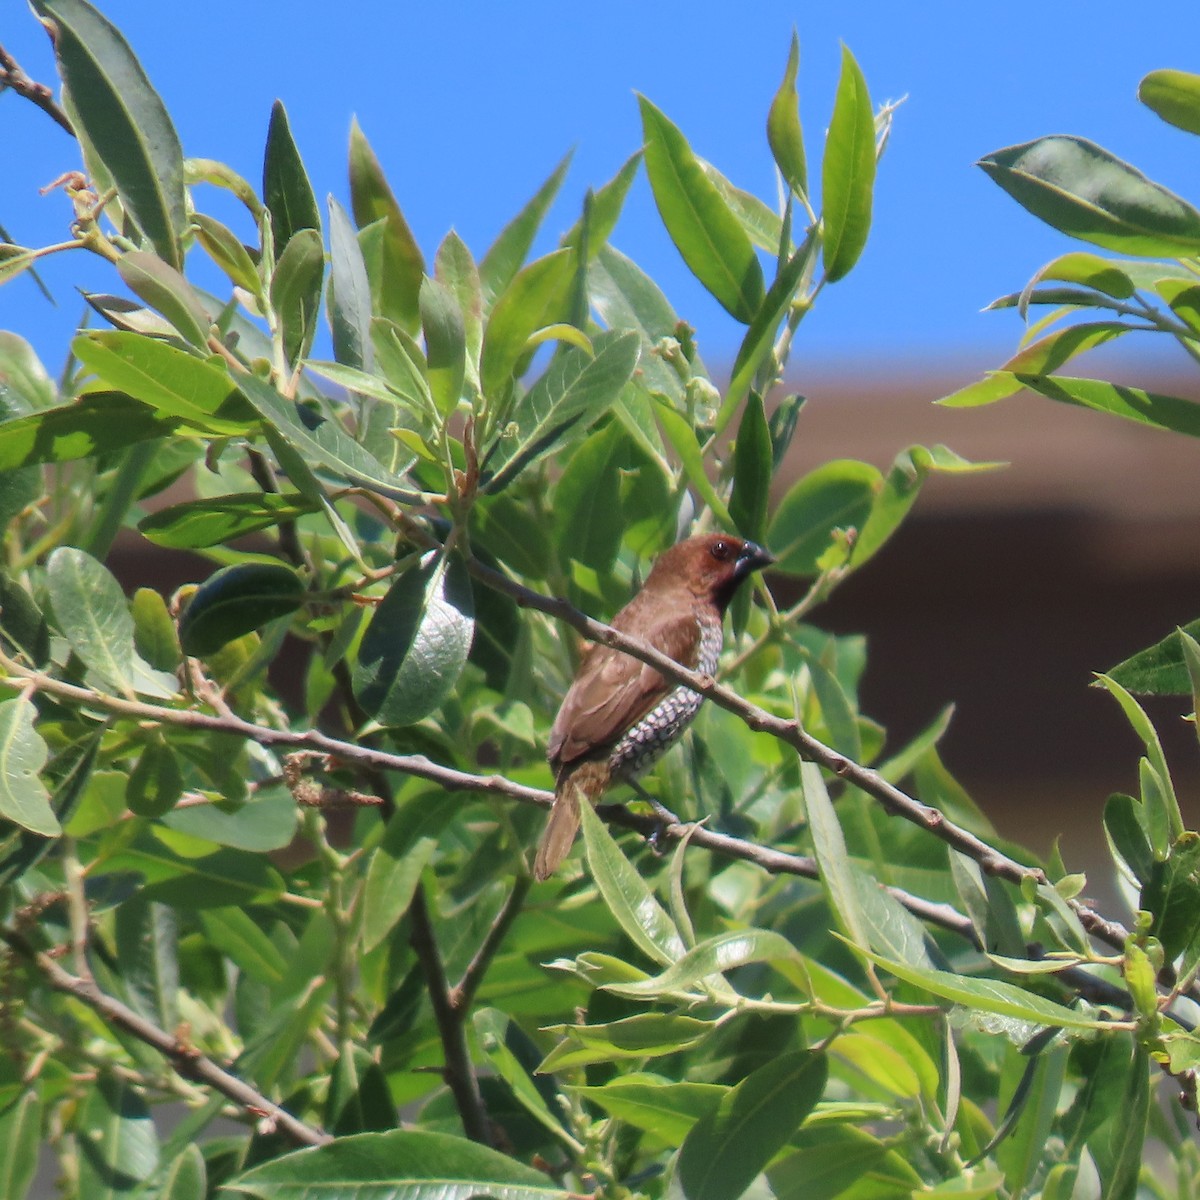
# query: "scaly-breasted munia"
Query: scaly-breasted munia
{"points": [[620, 715]]}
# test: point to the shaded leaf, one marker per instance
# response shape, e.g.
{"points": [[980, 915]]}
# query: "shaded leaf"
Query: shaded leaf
{"points": [[1082, 190], [235, 600], [164, 289], [349, 294], [1159, 670], [417, 642], [837, 495], [296, 291], [286, 189], [195, 524]]}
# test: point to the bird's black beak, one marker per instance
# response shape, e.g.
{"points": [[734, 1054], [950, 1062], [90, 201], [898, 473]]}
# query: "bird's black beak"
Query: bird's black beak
{"points": [[753, 558]]}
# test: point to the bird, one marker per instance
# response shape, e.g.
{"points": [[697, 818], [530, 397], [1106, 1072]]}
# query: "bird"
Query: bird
{"points": [[620, 715]]}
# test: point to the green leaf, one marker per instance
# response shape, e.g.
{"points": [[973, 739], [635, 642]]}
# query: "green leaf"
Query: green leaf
{"points": [[1121, 1155], [296, 291], [759, 343], [783, 126], [445, 344], [995, 385], [630, 901], [1133, 404], [25, 384], [242, 941], [121, 1148], [186, 1177], [1159, 670], [610, 492], [1144, 728], [1125, 826], [408, 844], [899, 492], [164, 289], [712, 957], [227, 251], [226, 877], [171, 381], [154, 633], [397, 285], [1172, 894], [235, 600], [21, 1136], [510, 249], [359, 1100], [705, 231], [196, 524], [500, 1038], [1174, 96], [837, 495], [94, 617], [23, 797], [317, 442], [752, 464], [417, 642], [455, 270], [605, 210], [829, 846], [725, 1150], [155, 782], [537, 296], [667, 1110], [649, 1035], [286, 189], [681, 433], [268, 822], [121, 116], [416, 1164], [1084, 191], [847, 172], [987, 995], [349, 294], [15, 260], [1019, 1155], [575, 390]]}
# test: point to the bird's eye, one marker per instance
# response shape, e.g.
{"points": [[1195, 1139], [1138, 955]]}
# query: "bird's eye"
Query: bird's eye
{"points": [[722, 551]]}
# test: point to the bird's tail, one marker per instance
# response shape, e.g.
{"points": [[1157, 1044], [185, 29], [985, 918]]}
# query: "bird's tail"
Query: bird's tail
{"points": [[582, 785]]}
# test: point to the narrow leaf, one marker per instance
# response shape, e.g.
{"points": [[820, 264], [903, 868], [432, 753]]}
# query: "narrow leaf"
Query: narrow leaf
{"points": [[847, 172], [399, 280], [165, 289], [123, 119], [289, 195], [705, 232], [1174, 96], [783, 126], [629, 899], [508, 252]]}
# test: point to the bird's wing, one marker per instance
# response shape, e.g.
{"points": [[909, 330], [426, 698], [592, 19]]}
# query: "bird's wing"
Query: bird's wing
{"points": [[613, 691]]}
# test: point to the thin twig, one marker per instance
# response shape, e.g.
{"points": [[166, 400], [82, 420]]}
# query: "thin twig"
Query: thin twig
{"points": [[462, 994], [186, 1060], [458, 1072], [11, 75]]}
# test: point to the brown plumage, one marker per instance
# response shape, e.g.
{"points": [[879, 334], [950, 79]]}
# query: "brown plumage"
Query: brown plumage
{"points": [[620, 714]]}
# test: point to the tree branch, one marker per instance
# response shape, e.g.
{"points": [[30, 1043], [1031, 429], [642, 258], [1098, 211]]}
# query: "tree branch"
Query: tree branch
{"points": [[12, 76], [458, 1072], [187, 1061]]}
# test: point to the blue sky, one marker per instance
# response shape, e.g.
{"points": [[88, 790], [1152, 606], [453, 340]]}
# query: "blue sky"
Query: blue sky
{"points": [[470, 105]]}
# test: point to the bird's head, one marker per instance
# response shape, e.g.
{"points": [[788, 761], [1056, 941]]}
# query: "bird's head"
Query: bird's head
{"points": [[710, 566]]}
